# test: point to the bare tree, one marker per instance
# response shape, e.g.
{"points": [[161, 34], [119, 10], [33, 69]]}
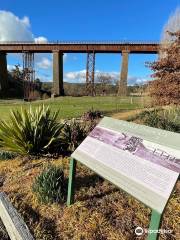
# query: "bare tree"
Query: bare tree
{"points": [[172, 25], [16, 72], [104, 80]]}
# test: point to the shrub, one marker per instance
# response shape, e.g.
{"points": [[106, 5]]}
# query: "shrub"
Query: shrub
{"points": [[45, 96], [34, 95], [31, 131], [49, 185], [4, 155], [92, 115], [74, 132], [160, 119], [167, 119]]}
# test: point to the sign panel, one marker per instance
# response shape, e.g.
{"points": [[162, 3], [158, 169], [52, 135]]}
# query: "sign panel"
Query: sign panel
{"points": [[143, 161]]}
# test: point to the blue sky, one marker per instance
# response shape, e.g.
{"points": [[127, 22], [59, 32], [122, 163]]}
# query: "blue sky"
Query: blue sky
{"points": [[86, 20]]}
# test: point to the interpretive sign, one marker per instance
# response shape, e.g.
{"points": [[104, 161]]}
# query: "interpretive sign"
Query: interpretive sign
{"points": [[143, 161]]}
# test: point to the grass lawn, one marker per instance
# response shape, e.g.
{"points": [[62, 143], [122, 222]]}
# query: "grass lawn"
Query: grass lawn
{"points": [[70, 107]]}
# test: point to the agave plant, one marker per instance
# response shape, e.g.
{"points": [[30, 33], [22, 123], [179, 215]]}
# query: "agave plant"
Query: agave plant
{"points": [[49, 185], [31, 131]]}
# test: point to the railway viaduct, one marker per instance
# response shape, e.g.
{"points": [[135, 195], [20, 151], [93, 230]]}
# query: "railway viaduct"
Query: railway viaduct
{"points": [[90, 48]]}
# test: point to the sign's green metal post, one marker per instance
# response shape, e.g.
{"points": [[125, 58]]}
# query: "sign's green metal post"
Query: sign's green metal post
{"points": [[72, 173], [154, 225]]}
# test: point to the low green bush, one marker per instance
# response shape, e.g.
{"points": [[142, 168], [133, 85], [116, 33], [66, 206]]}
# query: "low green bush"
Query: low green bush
{"points": [[31, 131], [92, 115], [155, 119], [167, 119], [74, 132], [49, 185]]}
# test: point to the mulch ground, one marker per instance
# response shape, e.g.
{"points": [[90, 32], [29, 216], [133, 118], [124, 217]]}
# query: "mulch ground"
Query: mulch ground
{"points": [[100, 211]]}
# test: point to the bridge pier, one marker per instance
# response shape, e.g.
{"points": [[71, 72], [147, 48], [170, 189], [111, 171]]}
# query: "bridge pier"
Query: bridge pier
{"points": [[3, 72], [58, 88], [122, 91]]}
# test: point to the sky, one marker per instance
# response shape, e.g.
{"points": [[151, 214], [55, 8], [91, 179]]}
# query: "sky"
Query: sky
{"points": [[38, 20]]}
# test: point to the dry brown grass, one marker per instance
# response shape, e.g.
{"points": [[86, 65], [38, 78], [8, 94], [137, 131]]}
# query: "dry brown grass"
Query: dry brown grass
{"points": [[126, 114], [101, 211]]}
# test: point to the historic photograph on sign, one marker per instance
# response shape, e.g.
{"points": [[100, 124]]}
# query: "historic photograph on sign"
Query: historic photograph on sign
{"points": [[137, 147]]}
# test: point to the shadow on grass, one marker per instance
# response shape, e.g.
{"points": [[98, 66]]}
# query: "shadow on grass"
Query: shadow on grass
{"points": [[97, 195], [87, 181], [81, 182], [45, 227]]}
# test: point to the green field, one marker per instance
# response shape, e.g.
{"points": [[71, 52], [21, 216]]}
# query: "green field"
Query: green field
{"points": [[70, 107]]}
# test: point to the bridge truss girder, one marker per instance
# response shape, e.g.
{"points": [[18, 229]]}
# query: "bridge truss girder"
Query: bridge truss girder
{"points": [[28, 75], [90, 70]]}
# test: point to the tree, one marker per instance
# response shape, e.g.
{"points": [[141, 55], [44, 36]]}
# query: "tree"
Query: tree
{"points": [[103, 80], [17, 73], [172, 25], [165, 89], [38, 83]]}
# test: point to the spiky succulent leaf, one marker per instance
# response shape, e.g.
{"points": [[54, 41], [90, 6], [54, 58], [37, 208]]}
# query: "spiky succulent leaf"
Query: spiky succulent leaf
{"points": [[31, 131]]}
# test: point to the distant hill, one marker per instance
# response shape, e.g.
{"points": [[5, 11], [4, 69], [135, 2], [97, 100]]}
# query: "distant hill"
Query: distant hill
{"points": [[44, 89], [79, 89]]}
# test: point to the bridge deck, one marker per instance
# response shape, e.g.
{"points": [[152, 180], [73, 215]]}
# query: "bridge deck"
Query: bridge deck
{"points": [[81, 47]]}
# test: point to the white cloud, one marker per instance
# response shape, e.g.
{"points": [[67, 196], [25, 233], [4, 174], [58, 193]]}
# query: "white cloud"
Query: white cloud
{"points": [[40, 40], [13, 28], [132, 80], [44, 77], [80, 77], [11, 67], [25, 20], [77, 76], [45, 63]]}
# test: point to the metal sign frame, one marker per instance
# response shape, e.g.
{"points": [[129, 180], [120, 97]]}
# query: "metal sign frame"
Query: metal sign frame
{"points": [[156, 217]]}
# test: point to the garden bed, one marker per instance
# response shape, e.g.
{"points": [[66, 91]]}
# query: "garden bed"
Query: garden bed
{"points": [[101, 211]]}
